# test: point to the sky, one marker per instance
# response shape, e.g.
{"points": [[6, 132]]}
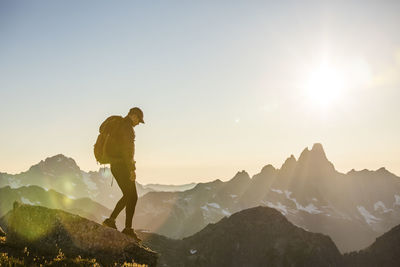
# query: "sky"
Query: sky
{"points": [[224, 86]]}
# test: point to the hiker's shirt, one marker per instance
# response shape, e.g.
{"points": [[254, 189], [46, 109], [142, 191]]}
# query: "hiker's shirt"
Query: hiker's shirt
{"points": [[128, 142], [122, 143]]}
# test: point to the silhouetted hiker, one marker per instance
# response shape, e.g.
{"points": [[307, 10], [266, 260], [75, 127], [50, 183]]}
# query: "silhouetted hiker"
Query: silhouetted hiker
{"points": [[115, 145]]}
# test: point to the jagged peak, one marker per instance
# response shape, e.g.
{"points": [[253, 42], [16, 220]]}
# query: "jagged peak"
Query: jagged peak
{"points": [[351, 171], [317, 146], [317, 151], [289, 162], [304, 153], [59, 158], [241, 175], [57, 161], [267, 169], [383, 170]]}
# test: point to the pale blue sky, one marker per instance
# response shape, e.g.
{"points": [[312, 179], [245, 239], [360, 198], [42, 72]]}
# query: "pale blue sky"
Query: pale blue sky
{"points": [[223, 86]]}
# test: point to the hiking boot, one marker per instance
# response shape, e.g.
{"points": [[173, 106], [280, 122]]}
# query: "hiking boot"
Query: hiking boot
{"points": [[110, 223], [130, 232]]}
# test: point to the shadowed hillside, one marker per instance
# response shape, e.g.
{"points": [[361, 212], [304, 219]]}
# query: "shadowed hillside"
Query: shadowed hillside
{"points": [[258, 236]]}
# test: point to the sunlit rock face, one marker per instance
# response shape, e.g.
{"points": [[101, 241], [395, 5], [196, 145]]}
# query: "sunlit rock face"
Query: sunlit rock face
{"points": [[259, 236], [45, 231]]}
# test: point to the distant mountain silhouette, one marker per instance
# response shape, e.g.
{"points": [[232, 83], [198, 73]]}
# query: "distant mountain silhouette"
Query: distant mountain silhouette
{"points": [[259, 236], [62, 174], [352, 208], [45, 232]]}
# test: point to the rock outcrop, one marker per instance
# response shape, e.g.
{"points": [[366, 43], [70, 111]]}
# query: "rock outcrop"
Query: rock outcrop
{"points": [[48, 231]]}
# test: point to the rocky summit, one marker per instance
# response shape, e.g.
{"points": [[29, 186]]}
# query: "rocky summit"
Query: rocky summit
{"points": [[48, 231]]}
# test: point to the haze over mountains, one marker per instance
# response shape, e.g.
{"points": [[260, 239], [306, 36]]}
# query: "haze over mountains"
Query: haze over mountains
{"points": [[352, 208], [62, 174]]}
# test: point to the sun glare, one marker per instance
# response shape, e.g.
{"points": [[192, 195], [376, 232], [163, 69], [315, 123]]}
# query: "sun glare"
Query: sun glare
{"points": [[325, 85]]}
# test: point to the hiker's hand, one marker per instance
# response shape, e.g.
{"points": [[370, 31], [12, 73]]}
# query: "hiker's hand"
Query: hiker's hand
{"points": [[133, 175]]}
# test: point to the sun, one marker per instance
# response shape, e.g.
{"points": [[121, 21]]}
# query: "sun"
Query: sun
{"points": [[324, 86]]}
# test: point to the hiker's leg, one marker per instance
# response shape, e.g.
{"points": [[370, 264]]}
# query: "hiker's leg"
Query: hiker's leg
{"points": [[119, 174], [131, 201], [118, 208], [122, 175]]}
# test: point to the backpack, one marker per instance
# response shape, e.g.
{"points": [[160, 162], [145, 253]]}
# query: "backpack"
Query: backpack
{"points": [[107, 129]]}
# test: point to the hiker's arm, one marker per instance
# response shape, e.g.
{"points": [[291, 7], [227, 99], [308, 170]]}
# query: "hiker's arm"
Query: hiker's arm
{"points": [[129, 149]]}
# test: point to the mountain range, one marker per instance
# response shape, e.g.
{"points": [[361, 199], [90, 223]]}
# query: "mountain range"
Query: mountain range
{"points": [[63, 175], [353, 208]]}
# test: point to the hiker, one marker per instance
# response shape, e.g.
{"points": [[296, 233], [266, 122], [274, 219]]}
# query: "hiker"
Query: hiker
{"points": [[115, 145]]}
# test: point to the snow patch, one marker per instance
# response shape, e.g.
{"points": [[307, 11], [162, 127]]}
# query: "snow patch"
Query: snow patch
{"points": [[368, 217], [310, 208], [380, 205], [27, 201], [14, 183], [214, 205], [397, 200], [276, 191], [226, 213], [233, 196]]}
